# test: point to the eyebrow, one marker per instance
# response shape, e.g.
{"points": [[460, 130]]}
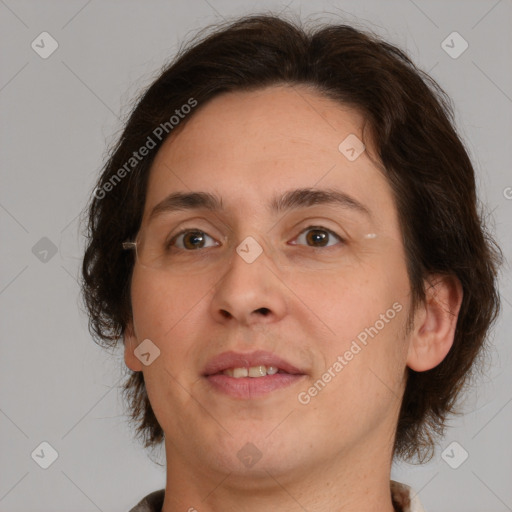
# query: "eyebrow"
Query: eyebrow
{"points": [[290, 200]]}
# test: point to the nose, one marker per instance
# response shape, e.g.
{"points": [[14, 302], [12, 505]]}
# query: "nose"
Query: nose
{"points": [[249, 292]]}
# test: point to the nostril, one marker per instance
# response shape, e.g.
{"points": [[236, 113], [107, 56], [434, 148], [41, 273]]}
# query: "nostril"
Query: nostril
{"points": [[263, 311]]}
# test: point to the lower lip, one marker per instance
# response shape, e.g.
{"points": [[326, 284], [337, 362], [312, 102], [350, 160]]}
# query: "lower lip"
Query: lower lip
{"points": [[252, 387]]}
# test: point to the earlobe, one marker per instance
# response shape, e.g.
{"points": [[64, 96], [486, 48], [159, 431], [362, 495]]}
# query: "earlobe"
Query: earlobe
{"points": [[435, 322], [130, 344]]}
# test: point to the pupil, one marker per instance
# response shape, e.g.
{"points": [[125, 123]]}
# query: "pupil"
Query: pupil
{"points": [[193, 236], [317, 235]]}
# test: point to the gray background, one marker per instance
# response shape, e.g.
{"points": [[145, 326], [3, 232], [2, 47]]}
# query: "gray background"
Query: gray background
{"points": [[57, 116]]}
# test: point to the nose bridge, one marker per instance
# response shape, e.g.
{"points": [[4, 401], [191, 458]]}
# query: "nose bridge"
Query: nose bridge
{"points": [[249, 289]]}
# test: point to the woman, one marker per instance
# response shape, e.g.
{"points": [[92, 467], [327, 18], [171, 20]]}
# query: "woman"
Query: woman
{"points": [[287, 242]]}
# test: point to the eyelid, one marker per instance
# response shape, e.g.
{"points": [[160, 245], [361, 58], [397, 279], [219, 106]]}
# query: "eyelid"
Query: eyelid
{"points": [[188, 225], [195, 223]]}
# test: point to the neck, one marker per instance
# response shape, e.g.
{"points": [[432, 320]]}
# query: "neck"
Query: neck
{"points": [[346, 482]]}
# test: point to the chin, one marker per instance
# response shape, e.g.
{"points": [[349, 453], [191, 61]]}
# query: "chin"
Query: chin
{"points": [[255, 454]]}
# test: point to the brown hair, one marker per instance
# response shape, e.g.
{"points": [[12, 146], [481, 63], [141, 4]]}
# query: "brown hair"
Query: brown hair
{"points": [[412, 128]]}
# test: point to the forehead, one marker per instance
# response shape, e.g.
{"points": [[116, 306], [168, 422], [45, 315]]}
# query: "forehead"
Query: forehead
{"points": [[256, 124], [246, 146]]}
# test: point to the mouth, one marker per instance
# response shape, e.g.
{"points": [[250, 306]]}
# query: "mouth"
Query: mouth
{"points": [[250, 375]]}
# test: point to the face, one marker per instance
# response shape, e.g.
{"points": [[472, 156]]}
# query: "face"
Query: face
{"points": [[319, 283]]}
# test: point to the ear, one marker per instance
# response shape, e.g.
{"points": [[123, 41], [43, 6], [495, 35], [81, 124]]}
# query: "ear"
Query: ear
{"points": [[130, 344], [435, 322]]}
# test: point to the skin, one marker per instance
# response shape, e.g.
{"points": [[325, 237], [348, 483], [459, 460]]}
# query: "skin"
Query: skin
{"points": [[335, 452]]}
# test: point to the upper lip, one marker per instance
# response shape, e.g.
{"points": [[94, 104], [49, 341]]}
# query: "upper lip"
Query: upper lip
{"points": [[232, 359]]}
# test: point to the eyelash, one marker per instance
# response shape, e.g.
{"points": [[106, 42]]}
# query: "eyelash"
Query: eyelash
{"points": [[172, 242]]}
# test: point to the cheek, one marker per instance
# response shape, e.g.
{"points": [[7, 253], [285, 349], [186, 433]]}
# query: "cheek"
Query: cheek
{"points": [[345, 301], [163, 311], [358, 313], [162, 302]]}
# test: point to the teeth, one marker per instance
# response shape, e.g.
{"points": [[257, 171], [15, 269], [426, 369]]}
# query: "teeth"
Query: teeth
{"points": [[240, 372], [257, 371], [253, 371]]}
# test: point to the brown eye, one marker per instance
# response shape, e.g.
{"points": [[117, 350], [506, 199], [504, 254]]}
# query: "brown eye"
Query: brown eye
{"points": [[191, 240], [316, 236]]}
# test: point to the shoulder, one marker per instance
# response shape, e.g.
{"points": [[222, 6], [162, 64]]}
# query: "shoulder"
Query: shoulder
{"points": [[405, 498], [151, 503]]}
